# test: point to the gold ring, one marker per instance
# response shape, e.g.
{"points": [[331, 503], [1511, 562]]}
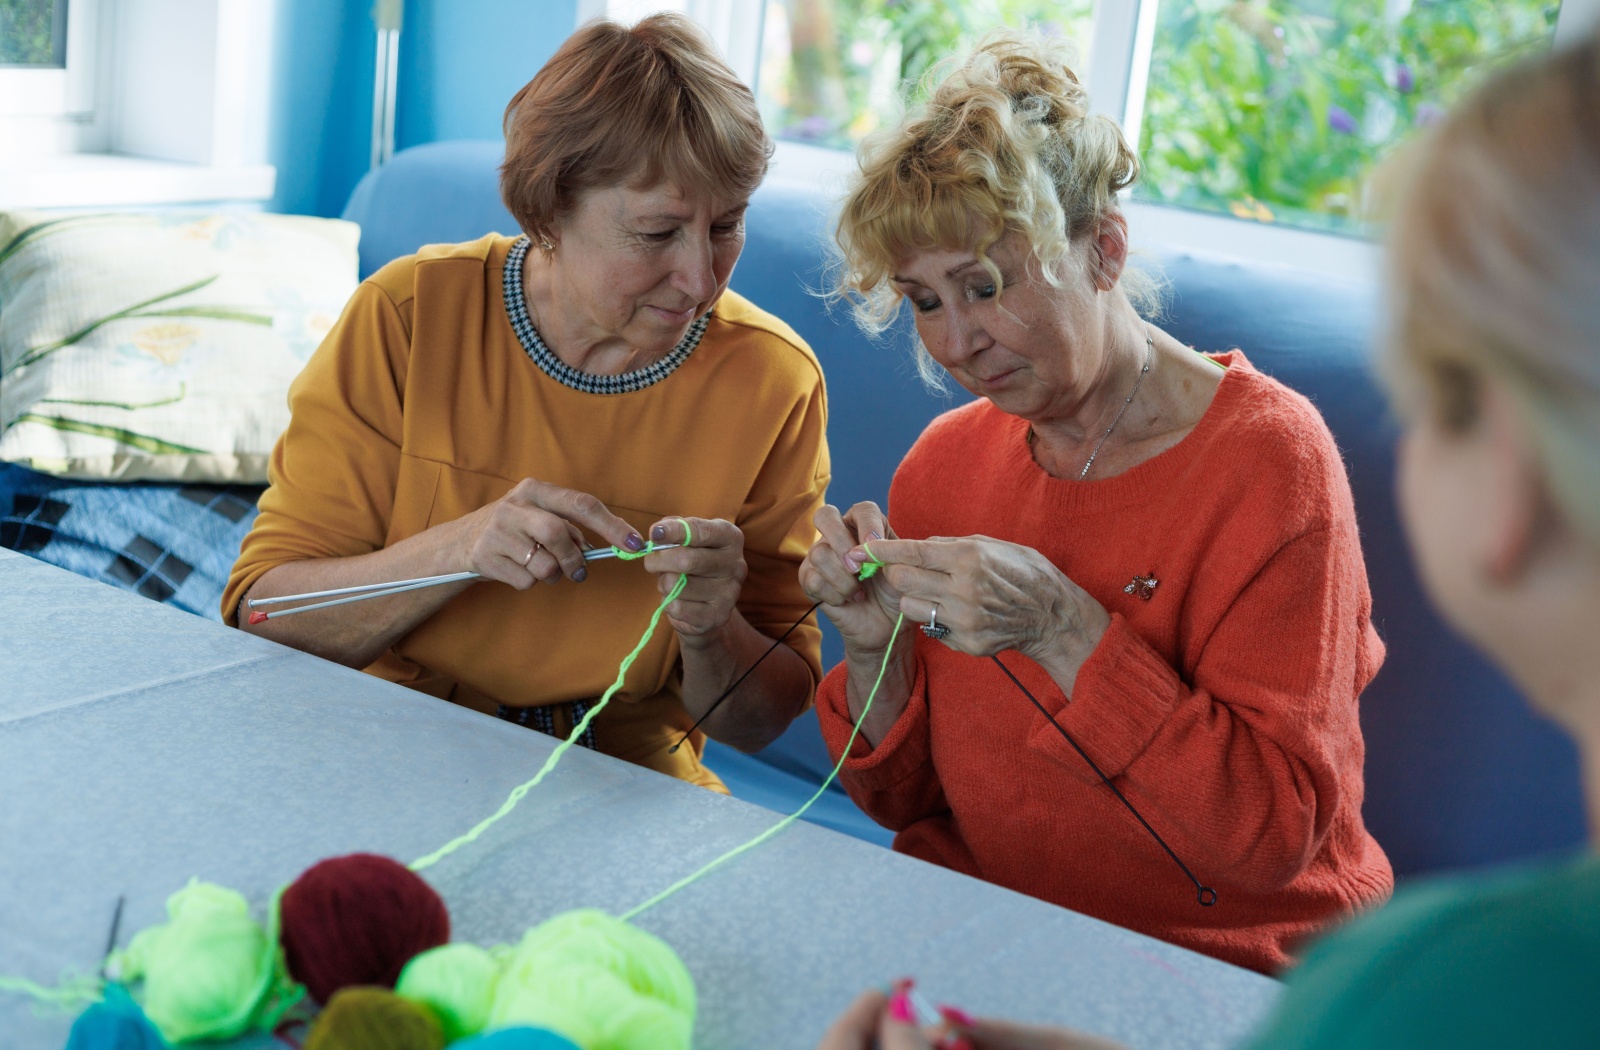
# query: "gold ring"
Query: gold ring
{"points": [[531, 551]]}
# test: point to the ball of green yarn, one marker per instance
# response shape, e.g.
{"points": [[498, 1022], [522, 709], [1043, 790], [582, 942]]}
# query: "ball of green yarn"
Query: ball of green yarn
{"points": [[457, 982], [599, 981], [366, 1018], [211, 971]]}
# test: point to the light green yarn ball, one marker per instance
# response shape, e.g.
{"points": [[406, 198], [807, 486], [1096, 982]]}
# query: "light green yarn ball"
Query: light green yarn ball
{"points": [[599, 981], [211, 971], [457, 981]]}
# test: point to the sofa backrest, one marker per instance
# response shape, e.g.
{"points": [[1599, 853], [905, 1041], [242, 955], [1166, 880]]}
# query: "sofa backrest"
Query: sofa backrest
{"points": [[1459, 771]]}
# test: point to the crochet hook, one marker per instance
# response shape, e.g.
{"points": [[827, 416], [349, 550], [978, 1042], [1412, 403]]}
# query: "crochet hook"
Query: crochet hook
{"points": [[361, 592]]}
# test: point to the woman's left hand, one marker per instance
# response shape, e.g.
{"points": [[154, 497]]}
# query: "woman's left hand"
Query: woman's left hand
{"points": [[994, 596], [715, 567]]}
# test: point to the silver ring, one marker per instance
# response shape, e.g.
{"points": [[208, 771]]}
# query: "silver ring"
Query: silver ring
{"points": [[932, 628], [531, 552]]}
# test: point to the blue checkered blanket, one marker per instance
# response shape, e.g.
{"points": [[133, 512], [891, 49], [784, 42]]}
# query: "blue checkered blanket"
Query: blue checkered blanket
{"points": [[170, 543]]}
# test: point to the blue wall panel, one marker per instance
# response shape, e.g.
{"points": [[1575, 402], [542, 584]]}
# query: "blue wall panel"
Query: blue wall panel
{"points": [[460, 63]]}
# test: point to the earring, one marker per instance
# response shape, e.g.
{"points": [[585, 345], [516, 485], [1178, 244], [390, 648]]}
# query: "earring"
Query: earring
{"points": [[544, 243]]}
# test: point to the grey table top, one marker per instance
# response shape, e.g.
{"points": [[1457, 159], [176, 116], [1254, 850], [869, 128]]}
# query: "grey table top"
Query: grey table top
{"points": [[140, 746]]}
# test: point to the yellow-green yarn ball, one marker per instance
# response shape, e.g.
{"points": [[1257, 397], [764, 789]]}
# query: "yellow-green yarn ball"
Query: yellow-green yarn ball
{"points": [[211, 971], [366, 1018], [599, 981], [457, 982]]}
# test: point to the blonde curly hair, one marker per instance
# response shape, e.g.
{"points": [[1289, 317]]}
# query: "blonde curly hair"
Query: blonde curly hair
{"points": [[1005, 142]]}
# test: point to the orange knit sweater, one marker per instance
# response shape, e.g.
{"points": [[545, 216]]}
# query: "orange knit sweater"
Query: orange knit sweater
{"points": [[1224, 707]]}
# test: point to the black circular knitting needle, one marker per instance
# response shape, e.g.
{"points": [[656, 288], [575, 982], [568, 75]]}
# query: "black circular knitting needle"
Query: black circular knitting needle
{"points": [[729, 691], [1205, 894]]}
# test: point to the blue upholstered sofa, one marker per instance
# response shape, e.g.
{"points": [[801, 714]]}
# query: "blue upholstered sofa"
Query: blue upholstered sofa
{"points": [[1459, 773]]}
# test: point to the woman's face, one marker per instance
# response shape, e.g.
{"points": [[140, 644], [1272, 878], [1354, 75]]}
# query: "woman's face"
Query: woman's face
{"points": [[1434, 485], [1035, 351], [641, 265]]}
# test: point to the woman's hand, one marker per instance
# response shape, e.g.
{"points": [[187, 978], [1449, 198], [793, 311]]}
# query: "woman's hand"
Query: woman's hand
{"points": [[532, 534], [878, 1022], [864, 612], [713, 563], [994, 596]]}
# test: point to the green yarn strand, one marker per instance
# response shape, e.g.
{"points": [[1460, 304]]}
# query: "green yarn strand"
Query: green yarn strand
{"points": [[71, 993], [778, 828], [521, 790]]}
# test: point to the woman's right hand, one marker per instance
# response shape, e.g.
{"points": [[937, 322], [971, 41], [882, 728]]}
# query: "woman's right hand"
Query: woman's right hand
{"points": [[864, 612], [532, 534]]}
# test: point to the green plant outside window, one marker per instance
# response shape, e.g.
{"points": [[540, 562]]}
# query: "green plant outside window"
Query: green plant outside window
{"points": [[1279, 110], [1268, 110], [33, 33], [832, 71]]}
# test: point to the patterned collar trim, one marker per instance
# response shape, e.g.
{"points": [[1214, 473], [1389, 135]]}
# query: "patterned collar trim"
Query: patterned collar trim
{"points": [[565, 374]]}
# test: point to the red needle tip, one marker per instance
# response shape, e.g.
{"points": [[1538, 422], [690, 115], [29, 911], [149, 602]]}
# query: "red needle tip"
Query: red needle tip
{"points": [[258, 617]]}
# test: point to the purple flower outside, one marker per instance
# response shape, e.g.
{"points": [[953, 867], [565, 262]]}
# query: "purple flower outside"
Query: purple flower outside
{"points": [[1340, 120]]}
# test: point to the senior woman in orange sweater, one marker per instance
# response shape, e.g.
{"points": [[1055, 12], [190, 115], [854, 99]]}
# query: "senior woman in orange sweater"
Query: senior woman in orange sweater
{"points": [[495, 406], [1163, 545], [1493, 359]]}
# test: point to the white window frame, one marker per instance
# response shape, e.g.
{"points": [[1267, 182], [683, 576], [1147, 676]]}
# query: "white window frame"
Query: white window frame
{"points": [[1119, 53], [168, 102], [67, 92]]}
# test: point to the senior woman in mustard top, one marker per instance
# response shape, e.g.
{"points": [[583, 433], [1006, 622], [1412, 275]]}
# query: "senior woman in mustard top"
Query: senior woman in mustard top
{"points": [[1160, 545], [496, 406]]}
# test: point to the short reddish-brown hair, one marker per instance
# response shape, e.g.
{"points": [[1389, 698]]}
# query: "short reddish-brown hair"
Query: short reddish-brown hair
{"points": [[618, 105]]}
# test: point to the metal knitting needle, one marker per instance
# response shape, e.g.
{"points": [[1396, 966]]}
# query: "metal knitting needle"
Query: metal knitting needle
{"points": [[111, 941], [596, 554]]}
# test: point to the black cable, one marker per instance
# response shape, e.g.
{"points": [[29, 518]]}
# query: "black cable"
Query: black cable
{"points": [[1206, 895], [729, 691]]}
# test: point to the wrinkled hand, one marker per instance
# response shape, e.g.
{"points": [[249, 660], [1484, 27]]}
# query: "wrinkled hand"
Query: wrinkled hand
{"points": [[715, 567], [869, 1024], [864, 612], [538, 518], [993, 596]]}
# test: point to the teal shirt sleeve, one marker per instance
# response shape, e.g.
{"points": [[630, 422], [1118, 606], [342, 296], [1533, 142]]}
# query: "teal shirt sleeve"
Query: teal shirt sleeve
{"points": [[1505, 962]]}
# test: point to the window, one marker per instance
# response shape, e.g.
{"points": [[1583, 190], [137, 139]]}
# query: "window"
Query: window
{"points": [[33, 33], [832, 71], [47, 58], [1259, 121], [1279, 110]]}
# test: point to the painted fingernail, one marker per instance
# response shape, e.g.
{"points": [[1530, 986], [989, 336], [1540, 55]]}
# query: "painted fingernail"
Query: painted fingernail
{"points": [[900, 1008], [658, 533], [873, 536], [633, 542], [956, 1016], [581, 575], [903, 985], [853, 564]]}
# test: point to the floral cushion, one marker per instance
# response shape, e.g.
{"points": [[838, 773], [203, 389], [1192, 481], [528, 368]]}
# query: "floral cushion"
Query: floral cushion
{"points": [[160, 346]]}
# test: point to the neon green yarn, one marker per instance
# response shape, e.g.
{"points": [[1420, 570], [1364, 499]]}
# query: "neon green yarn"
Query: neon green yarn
{"points": [[599, 981], [521, 790], [211, 971], [457, 981], [869, 569], [717, 862], [79, 991]]}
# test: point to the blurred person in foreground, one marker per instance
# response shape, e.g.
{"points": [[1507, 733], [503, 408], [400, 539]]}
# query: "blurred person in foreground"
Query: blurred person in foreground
{"points": [[501, 405], [1160, 544], [1493, 361]]}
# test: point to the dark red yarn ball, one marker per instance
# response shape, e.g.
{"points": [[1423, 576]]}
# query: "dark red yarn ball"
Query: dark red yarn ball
{"points": [[357, 920]]}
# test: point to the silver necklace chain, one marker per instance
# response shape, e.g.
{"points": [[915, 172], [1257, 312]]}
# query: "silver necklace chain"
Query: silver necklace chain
{"points": [[1149, 351]]}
